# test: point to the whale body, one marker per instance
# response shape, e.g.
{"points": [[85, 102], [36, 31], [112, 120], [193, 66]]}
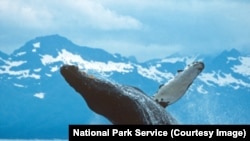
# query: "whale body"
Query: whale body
{"points": [[120, 104]]}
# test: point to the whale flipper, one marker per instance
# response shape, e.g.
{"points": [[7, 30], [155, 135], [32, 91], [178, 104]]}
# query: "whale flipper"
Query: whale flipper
{"points": [[173, 90], [120, 104], [179, 71]]}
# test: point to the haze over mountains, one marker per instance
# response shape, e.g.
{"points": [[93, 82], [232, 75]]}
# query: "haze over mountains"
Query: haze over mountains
{"points": [[36, 102]]}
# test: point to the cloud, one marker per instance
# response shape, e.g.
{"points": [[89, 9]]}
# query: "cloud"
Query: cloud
{"points": [[79, 12], [142, 51], [97, 16], [130, 27], [19, 13], [186, 27], [22, 20]]}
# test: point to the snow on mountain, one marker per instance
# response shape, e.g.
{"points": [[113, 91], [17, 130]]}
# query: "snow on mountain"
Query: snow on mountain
{"points": [[244, 66], [40, 95], [32, 91], [66, 57], [7, 69], [222, 79]]}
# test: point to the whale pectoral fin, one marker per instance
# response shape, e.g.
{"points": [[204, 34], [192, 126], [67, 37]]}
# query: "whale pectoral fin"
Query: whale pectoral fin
{"points": [[189, 86], [179, 71], [162, 103], [161, 86]]}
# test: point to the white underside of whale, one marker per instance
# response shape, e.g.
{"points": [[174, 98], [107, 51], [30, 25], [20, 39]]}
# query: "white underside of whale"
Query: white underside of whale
{"points": [[173, 90]]}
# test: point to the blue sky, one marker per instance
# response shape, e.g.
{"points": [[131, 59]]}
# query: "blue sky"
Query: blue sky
{"points": [[143, 28]]}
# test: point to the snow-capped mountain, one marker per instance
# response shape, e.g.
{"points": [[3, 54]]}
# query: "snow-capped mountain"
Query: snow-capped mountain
{"points": [[36, 102]]}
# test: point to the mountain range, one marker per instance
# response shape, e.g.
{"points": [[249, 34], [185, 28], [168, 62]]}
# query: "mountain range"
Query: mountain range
{"points": [[36, 101]]}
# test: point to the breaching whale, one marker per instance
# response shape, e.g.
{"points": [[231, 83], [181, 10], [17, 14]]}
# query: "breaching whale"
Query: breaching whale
{"points": [[121, 104], [174, 89]]}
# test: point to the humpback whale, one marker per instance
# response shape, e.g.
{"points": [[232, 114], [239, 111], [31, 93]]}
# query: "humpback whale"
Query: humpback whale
{"points": [[174, 89], [122, 104]]}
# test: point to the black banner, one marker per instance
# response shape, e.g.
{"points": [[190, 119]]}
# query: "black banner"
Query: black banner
{"points": [[78, 132]]}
